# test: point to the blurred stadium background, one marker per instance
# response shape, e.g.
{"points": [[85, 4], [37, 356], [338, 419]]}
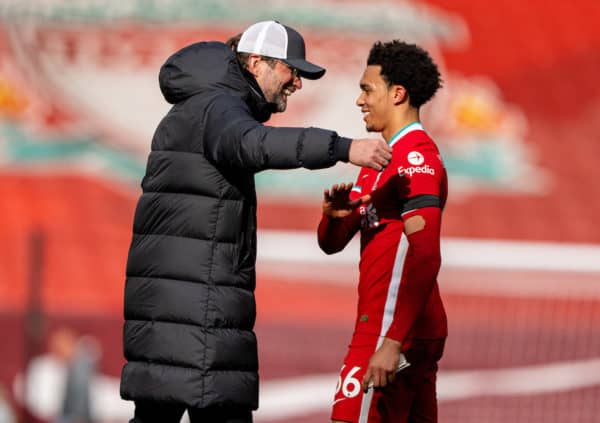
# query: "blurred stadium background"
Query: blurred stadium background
{"points": [[518, 123]]}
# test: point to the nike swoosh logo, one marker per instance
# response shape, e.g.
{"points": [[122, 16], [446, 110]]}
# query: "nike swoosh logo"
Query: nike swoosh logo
{"points": [[338, 400]]}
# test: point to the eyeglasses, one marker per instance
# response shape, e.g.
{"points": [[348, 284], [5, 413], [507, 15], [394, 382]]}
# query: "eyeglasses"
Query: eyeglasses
{"points": [[294, 71]]}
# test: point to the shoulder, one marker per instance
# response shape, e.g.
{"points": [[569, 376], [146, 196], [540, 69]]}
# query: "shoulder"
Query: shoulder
{"points": [[416, 140], [415, 147], [417, 155]]}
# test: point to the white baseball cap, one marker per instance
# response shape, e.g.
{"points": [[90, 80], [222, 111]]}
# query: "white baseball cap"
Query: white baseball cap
{"points": [[272, 39]]}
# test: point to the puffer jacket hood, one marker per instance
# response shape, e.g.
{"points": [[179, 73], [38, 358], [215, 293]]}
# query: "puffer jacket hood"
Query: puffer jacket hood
{"points": [[210, 65]]}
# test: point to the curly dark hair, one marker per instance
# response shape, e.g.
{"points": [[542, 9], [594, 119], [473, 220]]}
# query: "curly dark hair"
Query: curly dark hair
{"points": [[407, 65]]}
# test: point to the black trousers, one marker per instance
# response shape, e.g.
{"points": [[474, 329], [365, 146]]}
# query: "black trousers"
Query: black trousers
{"points": [[152, 412]]}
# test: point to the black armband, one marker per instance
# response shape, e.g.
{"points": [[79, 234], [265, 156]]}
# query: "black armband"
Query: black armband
{"points": [[421, 201]]}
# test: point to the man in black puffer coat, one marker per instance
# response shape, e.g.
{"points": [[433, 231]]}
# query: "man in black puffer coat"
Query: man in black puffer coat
{"points": [[189, 296]]}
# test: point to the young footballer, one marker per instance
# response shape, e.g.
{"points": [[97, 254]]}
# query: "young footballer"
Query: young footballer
{"points": [[389, 373]]}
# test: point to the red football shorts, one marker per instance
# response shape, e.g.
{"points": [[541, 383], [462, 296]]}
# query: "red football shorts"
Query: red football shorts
{"points": [[410, 397]]}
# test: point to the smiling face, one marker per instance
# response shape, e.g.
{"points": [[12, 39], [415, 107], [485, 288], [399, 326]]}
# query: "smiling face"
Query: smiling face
{"points": [[376, 99], [278, 81]]}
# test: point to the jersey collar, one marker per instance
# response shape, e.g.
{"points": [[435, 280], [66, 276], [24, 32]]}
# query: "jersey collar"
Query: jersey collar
{"points": [[415, 126]]}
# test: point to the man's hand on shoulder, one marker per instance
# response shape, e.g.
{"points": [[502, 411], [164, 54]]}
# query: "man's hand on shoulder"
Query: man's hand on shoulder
{"points": [[370, 152]]}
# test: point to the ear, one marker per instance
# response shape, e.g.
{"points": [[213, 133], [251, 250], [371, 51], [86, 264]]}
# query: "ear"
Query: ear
{"points": [[253, 64], [399, 94]]}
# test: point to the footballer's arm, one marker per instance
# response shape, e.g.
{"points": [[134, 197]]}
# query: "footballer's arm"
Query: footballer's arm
{"points": [[423, 260], [340, 221]]}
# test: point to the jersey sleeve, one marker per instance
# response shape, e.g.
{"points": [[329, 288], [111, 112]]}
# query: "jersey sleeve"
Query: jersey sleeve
{"points": [[412, 180], [419, 275], [421, 168]]}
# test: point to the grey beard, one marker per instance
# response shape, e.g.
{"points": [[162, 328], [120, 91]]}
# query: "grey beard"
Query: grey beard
{"points": [[279, 104]]}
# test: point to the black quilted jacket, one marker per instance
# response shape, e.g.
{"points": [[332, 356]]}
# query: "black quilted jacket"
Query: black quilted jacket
{"points": [[189, 296]]}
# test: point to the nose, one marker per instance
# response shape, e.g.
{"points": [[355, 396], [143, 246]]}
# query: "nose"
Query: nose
{"points": [[298, 82], [360, 100]]}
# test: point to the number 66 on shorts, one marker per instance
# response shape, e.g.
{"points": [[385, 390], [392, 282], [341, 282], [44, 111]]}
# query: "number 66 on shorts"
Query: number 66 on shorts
{"points": [[348, 393], [350, 385]]}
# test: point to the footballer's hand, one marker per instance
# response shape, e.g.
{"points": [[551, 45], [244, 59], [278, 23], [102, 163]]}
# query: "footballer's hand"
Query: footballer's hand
{"points": [[370, 152], [383, 365], [337, 203]]}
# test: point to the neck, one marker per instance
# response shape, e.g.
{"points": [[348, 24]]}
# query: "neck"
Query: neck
{"points": [[399, 121]]}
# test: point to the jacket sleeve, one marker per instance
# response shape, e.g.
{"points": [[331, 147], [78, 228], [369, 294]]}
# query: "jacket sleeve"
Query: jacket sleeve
{"points": [[232, 137]]}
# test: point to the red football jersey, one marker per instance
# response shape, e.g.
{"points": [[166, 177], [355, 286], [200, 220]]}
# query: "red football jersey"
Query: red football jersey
{"points": [[415, 177]]}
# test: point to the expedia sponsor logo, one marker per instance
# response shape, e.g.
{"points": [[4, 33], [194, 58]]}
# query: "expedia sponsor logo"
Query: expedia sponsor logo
{"points": [[410, 171]]}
